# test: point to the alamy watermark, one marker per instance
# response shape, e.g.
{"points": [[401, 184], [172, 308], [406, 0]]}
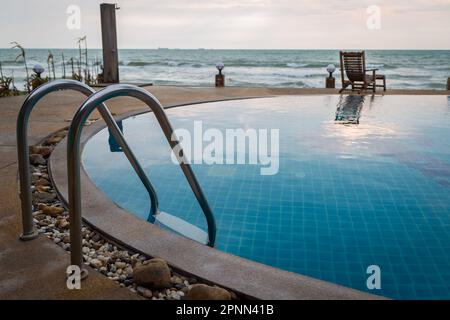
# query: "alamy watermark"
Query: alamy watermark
{"points": [[73, 281], [235, 146], [374, 280], [373, 21], [73, 21]]}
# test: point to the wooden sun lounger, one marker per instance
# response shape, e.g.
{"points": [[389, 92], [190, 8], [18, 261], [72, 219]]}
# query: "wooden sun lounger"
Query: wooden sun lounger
{"points": [[353, 65]]}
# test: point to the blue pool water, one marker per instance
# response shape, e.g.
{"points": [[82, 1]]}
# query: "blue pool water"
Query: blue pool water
{"points": [[348, 195]]}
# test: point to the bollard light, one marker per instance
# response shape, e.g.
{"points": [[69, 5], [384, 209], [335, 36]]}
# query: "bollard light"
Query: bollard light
{"points": [[38, 69], [220, 66], [220, 78], [330, 82], [330, 69]]}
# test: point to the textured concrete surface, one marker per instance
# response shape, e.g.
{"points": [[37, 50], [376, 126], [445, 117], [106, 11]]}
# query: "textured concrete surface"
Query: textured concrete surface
{"points": [[35, 270]]}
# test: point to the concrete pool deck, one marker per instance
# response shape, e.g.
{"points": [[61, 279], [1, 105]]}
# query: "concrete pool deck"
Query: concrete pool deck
{"points": [[35, 270]]}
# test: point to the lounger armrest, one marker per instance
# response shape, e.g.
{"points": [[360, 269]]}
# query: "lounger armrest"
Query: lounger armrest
{"points": [[374, 75]]}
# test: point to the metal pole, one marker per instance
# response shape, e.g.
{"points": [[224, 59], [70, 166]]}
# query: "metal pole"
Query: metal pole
{"points": [[109, 43], [74, 161], [29, 231]]}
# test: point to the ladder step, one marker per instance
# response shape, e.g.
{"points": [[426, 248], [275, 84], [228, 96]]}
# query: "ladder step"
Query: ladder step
{"points": [[181, 227]]}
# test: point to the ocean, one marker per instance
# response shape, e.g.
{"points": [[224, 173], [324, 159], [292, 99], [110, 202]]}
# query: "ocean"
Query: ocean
{"points": [[404, 69]]}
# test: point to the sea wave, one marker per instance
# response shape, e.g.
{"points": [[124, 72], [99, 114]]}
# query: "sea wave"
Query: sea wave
{"points": [[293, 84], [161, 63], [305, 74], [276, 64], [408, 76], [140, 63], [295, 65], [270, 68], [244, 64], [11, 62], [198, 65]]}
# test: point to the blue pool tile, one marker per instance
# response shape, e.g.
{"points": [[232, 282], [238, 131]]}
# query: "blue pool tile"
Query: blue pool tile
{"points": [[346, 196]]}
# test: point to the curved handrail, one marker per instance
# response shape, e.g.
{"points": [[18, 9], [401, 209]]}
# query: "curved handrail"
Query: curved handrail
{"points": [[74, 160], [32, 99]]}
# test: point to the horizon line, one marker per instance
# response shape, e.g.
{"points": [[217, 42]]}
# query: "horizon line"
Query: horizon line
{"points": [[261, 49]]}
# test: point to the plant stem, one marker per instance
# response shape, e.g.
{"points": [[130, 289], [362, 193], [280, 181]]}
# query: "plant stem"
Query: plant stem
{"points": [[28, 75], [73, 71], [86, 54], [63, 65], [79, 61]]}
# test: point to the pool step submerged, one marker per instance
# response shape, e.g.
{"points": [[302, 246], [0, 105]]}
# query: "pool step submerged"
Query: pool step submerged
{"points": [[181, 227]]}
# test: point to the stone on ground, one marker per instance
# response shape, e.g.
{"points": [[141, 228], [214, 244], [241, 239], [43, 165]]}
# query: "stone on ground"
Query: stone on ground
{"points": [[154, 273], [204, 292]]}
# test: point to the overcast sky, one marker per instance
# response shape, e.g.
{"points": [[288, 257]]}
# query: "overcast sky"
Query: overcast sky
{"points": [[264, 24]]}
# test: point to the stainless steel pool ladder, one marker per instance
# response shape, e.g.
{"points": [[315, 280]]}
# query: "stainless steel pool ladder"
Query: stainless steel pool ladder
{"points": [[29, 231], [73, 163]]}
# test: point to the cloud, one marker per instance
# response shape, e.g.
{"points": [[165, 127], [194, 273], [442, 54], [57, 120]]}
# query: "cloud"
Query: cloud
{"points": [[405, 24]]}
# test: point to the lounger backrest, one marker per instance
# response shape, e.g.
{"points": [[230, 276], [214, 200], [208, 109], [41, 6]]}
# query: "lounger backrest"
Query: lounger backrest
{"points": [[354, 64]]}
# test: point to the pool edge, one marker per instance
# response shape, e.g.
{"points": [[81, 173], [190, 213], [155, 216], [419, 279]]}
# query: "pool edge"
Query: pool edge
{"points": [[247, 277]]}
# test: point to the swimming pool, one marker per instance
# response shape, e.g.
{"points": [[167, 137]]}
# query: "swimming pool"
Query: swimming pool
{"points": [[361, 182]]}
